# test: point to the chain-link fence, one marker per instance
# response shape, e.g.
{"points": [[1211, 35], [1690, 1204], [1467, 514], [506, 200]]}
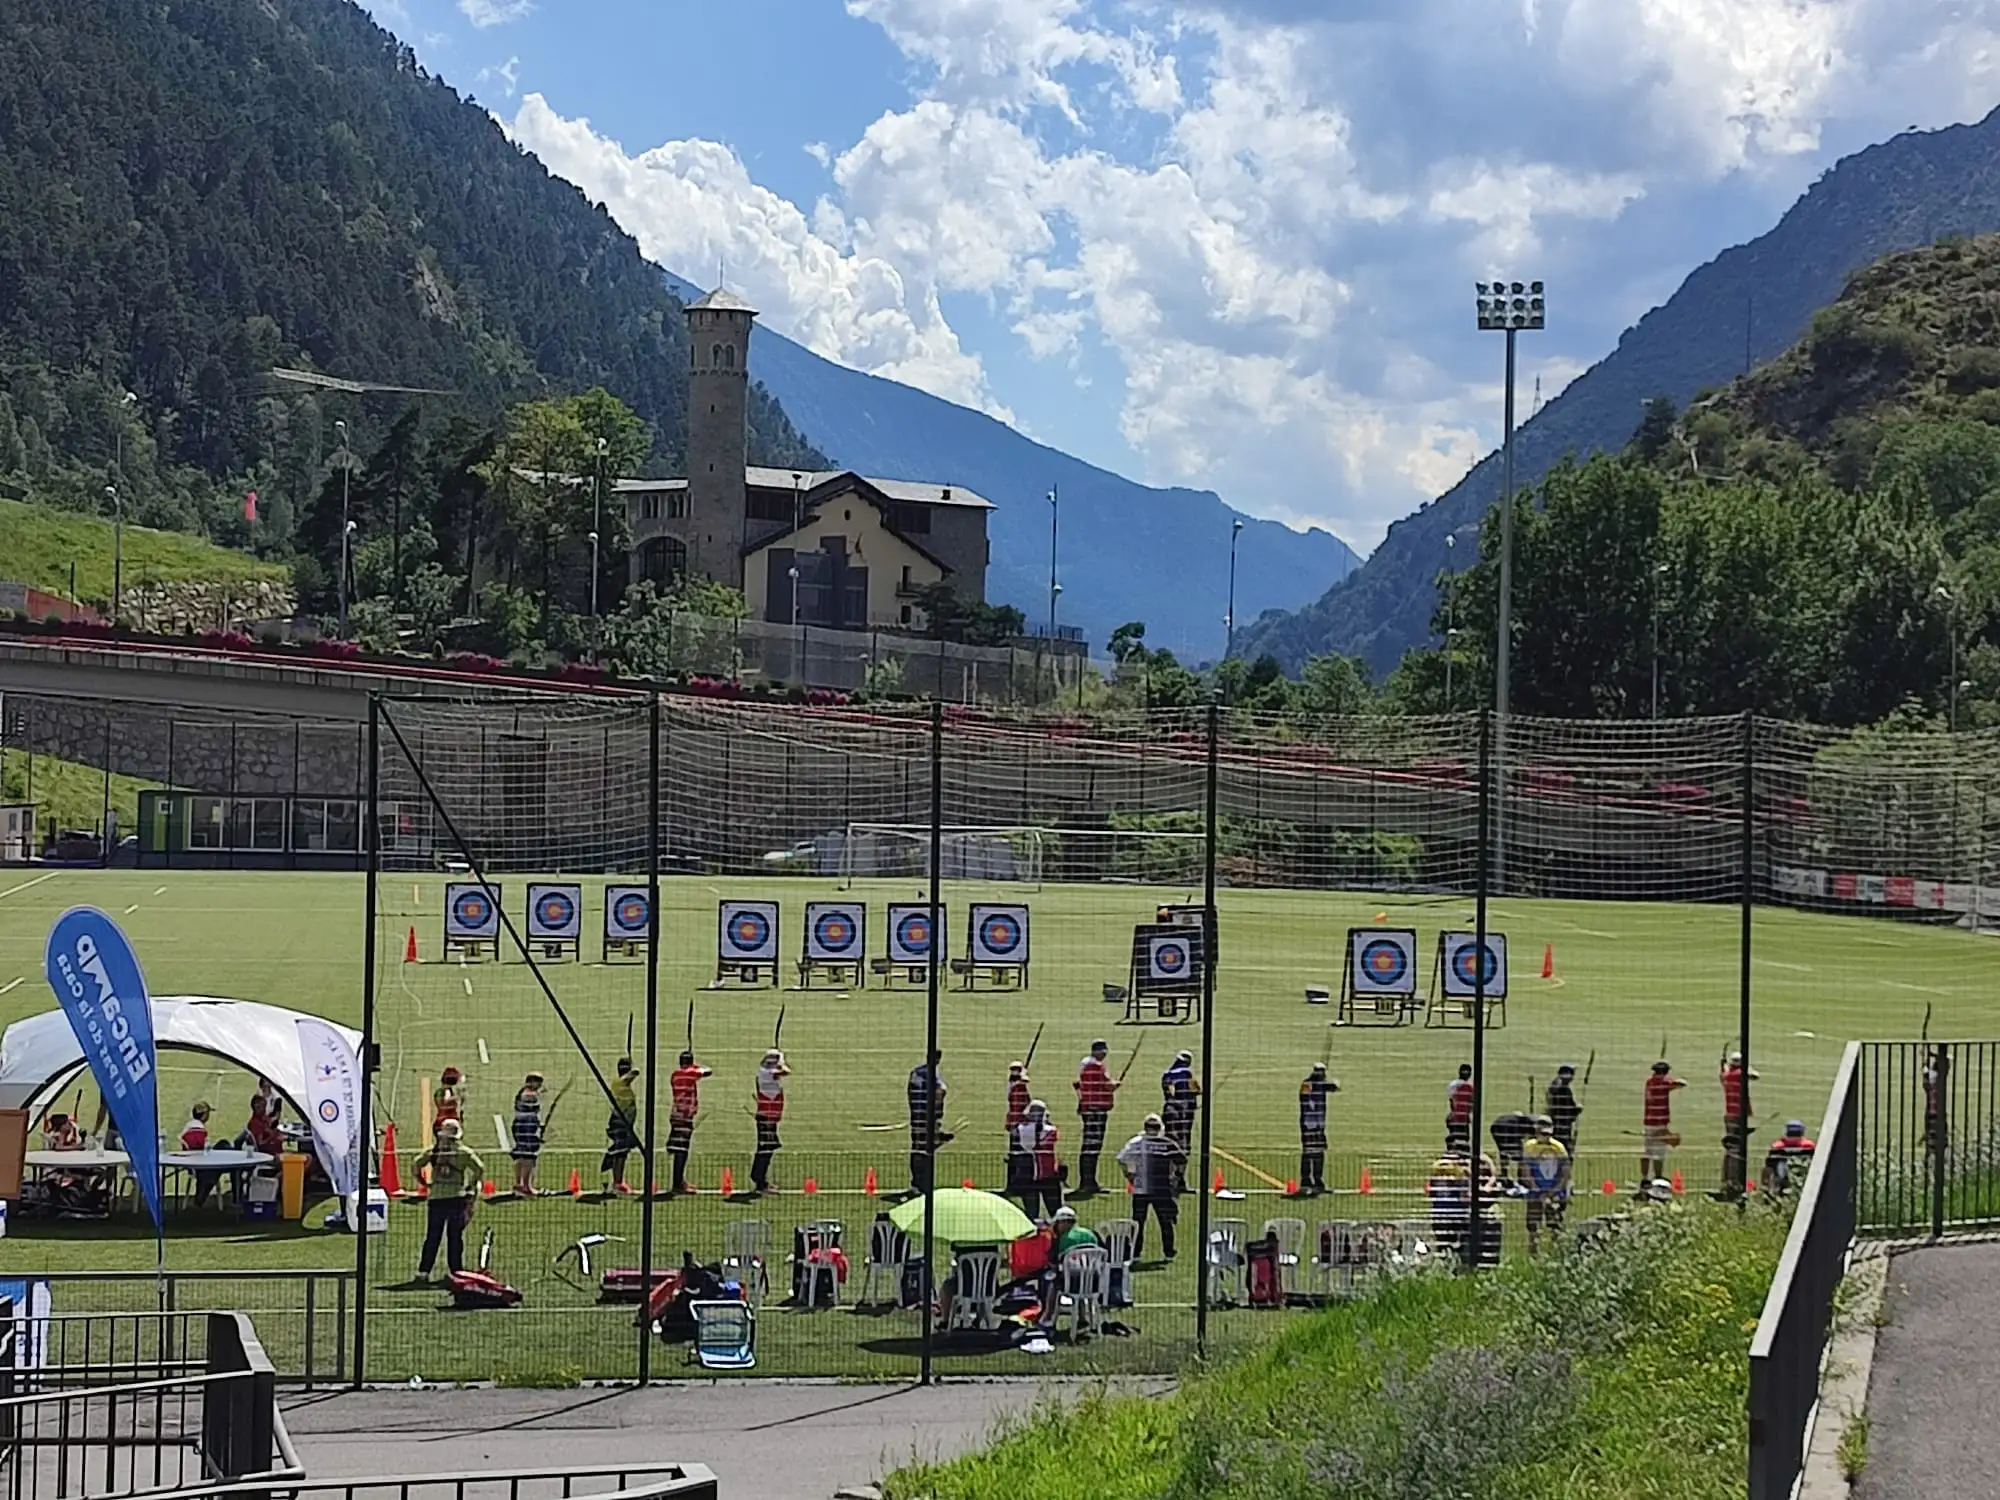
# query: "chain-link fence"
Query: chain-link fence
{"points": [[1272, 924]]}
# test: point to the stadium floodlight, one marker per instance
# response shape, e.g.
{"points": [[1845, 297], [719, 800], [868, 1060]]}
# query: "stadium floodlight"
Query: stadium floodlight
{"points": [[1509, 307]]}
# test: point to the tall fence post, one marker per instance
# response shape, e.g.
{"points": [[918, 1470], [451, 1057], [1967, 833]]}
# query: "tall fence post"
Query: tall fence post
{"points": [[1481, 884], [1748, 856], [652, 1026], [930, 1076], [371, 837], [1935, 1075], [1208, 956]]}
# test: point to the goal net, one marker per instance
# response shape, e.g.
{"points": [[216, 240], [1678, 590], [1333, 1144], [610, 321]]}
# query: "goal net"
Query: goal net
{"points": [[1022, 854]]}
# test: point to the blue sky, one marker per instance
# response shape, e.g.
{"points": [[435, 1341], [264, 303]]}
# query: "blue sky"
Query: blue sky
{"points": [[1223, 243]]}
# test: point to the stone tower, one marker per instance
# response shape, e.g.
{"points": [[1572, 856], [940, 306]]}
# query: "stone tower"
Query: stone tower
{"points": [[718, 434]]}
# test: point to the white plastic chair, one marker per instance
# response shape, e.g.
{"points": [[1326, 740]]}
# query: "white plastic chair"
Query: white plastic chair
{"points": [[888, 1249], [1224, 1257], [973, 1304], [1120, 1239], [1084, 1288], [1329, 1243], [725, 1335], [821, 1236], [744, 1245], [1291, 1235]]}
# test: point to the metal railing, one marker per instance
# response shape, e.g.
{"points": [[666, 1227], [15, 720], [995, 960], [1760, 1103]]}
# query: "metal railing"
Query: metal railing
{"points": [[1930, 1137], [626, 1482], [304, 1317], [135, 1404], [1791, 1338]]}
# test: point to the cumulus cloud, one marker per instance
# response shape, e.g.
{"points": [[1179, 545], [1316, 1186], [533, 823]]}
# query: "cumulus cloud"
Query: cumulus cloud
{"points": [[487, 13], [1268, 213]]}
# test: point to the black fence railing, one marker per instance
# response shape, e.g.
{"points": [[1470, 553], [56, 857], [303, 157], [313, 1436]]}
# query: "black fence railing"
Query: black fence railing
{"points": [[1930, 1137], [624, 1482], [1791, 1336]]}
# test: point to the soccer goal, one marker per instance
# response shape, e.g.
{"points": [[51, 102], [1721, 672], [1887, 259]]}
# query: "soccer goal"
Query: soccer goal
{"points": [[1025, 855]]}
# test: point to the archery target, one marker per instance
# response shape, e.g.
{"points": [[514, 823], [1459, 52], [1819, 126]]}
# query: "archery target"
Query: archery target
{"points": [[910, 933], [748, 932], [555, 913], [627, 913], [836, 931], [1000, 935], [471, 912], [1382, 961], [1170, 959], [1461, 973]]}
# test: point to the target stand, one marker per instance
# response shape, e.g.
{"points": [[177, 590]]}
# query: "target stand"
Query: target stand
{"points": [[628, 925], [835, 943], [1454, 1001], [471, 918], [746, 944], [1378, 983], [908, 959], [996, 949], [555, 921], [1166, 974]]}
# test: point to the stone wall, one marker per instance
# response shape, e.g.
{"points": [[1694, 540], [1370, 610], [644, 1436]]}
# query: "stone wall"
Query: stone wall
{"points": [[243, 754]]}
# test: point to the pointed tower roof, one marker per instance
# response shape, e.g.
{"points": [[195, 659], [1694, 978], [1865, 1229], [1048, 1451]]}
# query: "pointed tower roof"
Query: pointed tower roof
{"points": [[722, 300]]}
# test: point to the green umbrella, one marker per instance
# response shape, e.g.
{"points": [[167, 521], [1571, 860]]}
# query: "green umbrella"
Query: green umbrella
{"points": [[964, 1216]]}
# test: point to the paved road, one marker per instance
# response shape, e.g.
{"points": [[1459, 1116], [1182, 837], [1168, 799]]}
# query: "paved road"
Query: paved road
{"points": [[1937, 1372], [763, 1439]]}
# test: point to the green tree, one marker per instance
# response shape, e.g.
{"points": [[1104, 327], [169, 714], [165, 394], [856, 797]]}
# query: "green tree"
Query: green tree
{"points": [[1335, 686]]}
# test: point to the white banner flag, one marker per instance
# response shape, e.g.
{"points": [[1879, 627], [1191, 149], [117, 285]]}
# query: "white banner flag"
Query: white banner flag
{"points": [[333, 1101]]}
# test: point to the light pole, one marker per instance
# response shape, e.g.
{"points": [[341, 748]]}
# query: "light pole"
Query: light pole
{"points": [[1951, 633], [125, 402], [1450, 651], [1055, 589], [1659, 572], [1507, 307], [346, 526], [117, 549], [1451, 614], [596, 526], [1229, 619]]}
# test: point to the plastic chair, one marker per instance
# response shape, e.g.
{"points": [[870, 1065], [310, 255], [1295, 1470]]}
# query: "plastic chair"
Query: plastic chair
{"points": [[888, 1251], [1291, 1235], [819, 1240], [973, 1304], [1120, 1239], [1224, 1255], [1084, 1289], [1328, 1257], [725, 1335], [744, 1245]]}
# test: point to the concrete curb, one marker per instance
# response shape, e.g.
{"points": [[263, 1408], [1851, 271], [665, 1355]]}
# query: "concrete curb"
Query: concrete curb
{"points": [[1843, 1381]]}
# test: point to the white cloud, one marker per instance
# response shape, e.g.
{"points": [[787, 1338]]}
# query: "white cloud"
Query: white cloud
{"points": [[487, 13], [507, 75], [1267, 213]]}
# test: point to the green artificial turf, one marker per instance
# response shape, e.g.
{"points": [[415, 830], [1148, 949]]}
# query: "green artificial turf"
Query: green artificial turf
{"points": [[1627, 978]]}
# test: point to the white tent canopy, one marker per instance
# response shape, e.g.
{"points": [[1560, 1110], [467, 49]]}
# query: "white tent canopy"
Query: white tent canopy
{"points": [[39, 1056]]}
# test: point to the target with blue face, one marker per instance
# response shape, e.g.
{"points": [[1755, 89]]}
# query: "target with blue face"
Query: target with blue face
{"points": [[626, 912], [835, 932], [555, 912], [749, 932], [1000, 935], [471, 911], [910, 933], [1382, 961], [1464, 962]]}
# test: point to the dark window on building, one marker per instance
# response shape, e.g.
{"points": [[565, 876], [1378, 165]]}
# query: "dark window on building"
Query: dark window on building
{"points": [[773, 505], [649, 506], [677, 505], [911, 520], [663, 559]]}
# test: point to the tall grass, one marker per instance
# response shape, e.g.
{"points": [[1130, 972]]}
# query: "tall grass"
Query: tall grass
{"points": [[1613, 1369], [40, 546]]}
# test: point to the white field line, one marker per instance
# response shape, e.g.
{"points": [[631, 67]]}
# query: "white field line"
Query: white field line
{"points": [[467, 982], [1774, 963], [27, 883], [13, 984], [132, 908], [485, 1057], [161, 891], [1918, 989]]}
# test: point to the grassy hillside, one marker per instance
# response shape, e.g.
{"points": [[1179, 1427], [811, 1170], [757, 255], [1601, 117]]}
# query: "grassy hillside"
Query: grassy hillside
{"points": [[39, 545], [68, 795], [1616, 1372]]}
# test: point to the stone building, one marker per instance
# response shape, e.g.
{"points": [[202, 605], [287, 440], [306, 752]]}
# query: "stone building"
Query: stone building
{"points": [[813, 547]]}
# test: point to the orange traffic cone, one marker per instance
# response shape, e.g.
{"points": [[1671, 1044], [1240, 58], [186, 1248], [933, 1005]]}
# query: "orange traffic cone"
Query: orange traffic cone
{"points": [[1128, 1187], [810, 1185], [486, 1189], [967, 1184], [1291, 1187], [1218, 1185], [869, 1184], [575, 1183], [728, 1181], [1367, 1181], [392, 1171], [1549, 961], [1679, 1187], [410, 947], [1610, 1188]]}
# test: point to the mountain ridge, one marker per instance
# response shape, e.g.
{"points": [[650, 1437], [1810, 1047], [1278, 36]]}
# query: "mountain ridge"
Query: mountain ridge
{"points": [[1899, 194]]}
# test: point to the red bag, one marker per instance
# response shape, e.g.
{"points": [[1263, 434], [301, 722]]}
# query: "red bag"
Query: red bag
{"points": [[1261, 1265], [476, 1289]]}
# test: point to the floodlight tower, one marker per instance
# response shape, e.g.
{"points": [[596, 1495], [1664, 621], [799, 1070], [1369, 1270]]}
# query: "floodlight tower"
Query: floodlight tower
{"points": [[1508, 307]]}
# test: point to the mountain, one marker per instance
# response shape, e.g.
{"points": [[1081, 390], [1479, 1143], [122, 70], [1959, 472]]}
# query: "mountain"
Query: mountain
{"points": [[1904, 193], [1125, 551], [197, 191]]}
